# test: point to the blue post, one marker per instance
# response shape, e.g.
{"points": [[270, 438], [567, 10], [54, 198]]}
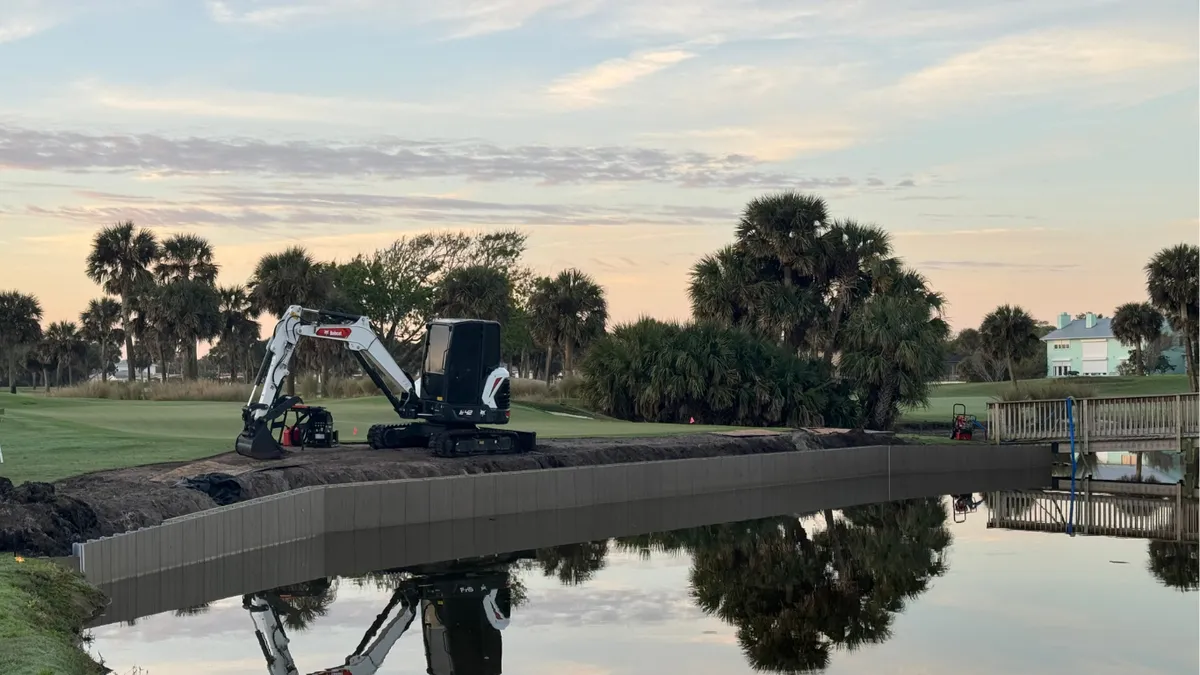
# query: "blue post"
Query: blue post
{"points": [[1071, 435]]}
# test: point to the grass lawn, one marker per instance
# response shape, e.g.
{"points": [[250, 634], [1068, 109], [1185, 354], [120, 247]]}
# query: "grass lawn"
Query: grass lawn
{"points": [[50, 438], [975, 395], [42, 608]]}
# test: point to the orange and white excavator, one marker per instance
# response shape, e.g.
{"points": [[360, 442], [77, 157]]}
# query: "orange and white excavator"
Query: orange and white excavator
{"points": [[462, 615]]}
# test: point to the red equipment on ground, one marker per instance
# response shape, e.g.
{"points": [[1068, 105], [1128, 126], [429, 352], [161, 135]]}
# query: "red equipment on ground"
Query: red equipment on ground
{"points": [[962, 424]]}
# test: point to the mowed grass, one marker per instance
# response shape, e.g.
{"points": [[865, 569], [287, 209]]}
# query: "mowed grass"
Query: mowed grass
{"points": [[47, 439], [976, 395]]}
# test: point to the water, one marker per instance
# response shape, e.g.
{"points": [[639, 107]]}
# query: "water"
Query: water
{"points": [[897, 587]]}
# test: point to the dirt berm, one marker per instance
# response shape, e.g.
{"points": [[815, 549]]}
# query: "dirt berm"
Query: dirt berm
{"points": [[45, 519]]}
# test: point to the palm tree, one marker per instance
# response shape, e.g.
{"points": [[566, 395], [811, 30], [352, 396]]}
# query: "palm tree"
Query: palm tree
{"points": [[784, 230], [1173, 283], [1010, 331], [189, 258], [20, 327], [582, 313], [292, 277], [543, 318], [785, 226], [238, 327], [894, 346], [65, 343], [1136, 324], [723, 287], [475, 292], [192, 308], [186, 256], [120, 261], [853, 251], [99, 325]]}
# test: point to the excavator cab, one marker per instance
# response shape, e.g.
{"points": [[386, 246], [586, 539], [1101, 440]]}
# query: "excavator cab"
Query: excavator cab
{"points": [[460, 354]]}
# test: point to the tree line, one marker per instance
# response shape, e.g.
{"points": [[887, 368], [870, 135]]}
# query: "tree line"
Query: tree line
{"points": [[803, 318], [161, 299], [1008, 342]]}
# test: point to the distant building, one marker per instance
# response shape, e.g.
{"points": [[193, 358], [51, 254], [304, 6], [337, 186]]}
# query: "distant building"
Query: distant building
{"points": [[122, 372], [1086, 347]]}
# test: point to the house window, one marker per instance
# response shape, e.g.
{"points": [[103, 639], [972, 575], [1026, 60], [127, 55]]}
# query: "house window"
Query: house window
{"points": [[1061, 369]]}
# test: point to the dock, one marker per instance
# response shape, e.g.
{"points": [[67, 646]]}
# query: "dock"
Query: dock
{"points": [[1104, 508], [1126, 423]]}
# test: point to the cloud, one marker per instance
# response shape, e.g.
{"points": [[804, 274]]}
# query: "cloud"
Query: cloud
{"points": [[20, 19], [1060, 61], [247, 104], [465, 18], [767, 143], [585, 88], [267, 209], [966, 216], [393, 159], [983, 264], [971, 232]]}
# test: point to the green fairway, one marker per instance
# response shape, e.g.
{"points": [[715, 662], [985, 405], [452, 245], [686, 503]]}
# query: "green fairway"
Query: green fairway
{"points": [[975, 395], [51, 438]]}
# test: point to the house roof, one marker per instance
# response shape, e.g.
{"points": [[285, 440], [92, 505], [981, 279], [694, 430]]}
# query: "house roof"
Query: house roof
{"points": [[1078, 329]]}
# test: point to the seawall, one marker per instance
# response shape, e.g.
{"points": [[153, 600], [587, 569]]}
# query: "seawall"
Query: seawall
{"points": [[322, 511], [363, 551]]}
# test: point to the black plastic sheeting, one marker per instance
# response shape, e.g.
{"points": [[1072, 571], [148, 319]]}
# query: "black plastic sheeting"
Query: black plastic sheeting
{"points": [[223, 488]]}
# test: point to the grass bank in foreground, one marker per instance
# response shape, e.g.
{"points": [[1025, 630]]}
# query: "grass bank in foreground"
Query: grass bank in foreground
{"points": [[975, 395], [42, 610], [46, 438]]}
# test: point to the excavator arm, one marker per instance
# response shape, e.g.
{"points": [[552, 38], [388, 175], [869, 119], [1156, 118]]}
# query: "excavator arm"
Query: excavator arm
{"points": [[366, 659], [355, 333], [370, 654]]}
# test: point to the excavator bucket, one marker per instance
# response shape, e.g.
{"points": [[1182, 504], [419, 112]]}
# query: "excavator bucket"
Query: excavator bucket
{"points": [[256, 442]]}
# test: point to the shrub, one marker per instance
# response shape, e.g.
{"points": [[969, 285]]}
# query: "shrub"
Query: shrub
{"points": [[524, 388], [1047, 390], [337, 387], [667, 372]]}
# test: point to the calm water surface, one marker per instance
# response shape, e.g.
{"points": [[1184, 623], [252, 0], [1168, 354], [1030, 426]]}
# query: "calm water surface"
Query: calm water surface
{"points": [[889, 588]]}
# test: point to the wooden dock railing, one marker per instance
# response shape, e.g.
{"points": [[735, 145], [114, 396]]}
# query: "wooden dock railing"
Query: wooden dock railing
{"points": [[1165, 514], [1124, 422]]}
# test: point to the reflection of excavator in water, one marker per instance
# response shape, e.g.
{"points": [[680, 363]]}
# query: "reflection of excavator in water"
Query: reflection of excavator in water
{"points": [[461, 612], [462, 384]]}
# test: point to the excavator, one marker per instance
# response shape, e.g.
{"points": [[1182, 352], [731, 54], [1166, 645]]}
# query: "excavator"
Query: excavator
{"points": [[462, 613], [462, 384]]}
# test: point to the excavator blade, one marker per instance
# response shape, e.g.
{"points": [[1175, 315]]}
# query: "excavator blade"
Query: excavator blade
{"points": [[256, 442]]}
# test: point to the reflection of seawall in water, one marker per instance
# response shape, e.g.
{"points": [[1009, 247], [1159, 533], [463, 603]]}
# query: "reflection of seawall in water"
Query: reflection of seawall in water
{"points": [[1106, 508]]}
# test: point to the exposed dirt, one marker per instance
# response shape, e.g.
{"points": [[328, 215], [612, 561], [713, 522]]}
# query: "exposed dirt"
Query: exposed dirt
{"points": [[45, 519]]}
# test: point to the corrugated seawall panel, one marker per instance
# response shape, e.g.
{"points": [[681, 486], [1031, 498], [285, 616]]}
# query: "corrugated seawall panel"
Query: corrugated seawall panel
{"points": [[312, 512]]}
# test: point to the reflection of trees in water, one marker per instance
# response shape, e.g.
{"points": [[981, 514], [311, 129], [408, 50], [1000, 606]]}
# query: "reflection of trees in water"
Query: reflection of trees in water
{"points": [[573, 564], [795, 597], [298, 605], [1175, 564]]}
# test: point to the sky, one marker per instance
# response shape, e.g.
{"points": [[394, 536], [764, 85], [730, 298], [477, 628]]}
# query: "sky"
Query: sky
{"points": [[1018, 151]]}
